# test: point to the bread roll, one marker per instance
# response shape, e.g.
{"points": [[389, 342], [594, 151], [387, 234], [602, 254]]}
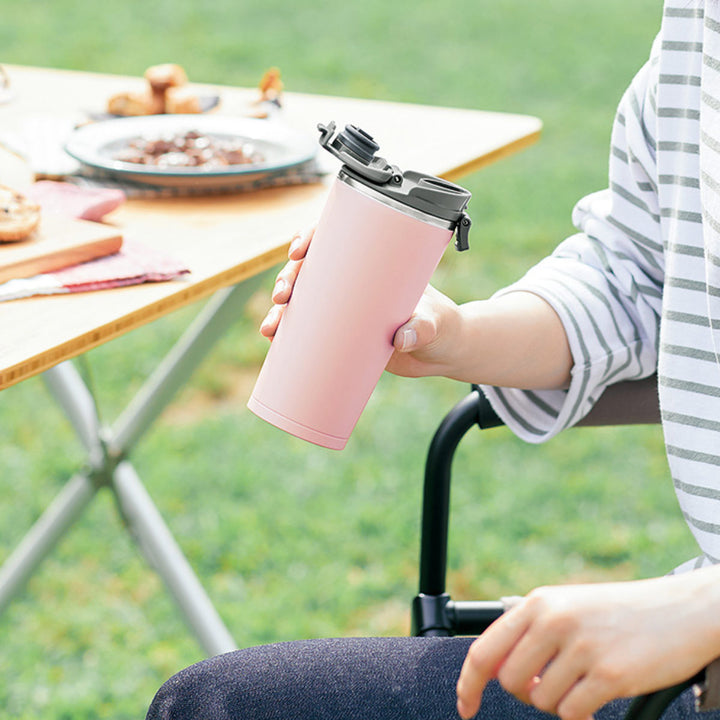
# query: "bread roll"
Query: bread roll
{"points": [[18, 215], [135, 104], [182, 100], [162, 77]]}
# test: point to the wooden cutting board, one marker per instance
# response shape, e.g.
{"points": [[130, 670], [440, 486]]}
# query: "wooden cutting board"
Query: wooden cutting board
{"points": [[57, 243]]}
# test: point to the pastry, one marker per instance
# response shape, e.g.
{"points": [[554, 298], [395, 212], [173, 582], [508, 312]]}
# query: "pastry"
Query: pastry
{"points": [[181, 100], [135, 104], [271, 86], [18, 215], [166, 92], [162, 77], [270, 95]]}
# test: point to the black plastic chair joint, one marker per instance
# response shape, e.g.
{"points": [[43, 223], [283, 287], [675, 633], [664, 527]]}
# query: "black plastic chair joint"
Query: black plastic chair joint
{"points": [[429, 616], [473, 617], [486, 417], [439, 616]]}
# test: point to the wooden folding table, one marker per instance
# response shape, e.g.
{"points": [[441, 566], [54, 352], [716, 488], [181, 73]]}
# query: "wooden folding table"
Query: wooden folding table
{"points": [[226, 241]]}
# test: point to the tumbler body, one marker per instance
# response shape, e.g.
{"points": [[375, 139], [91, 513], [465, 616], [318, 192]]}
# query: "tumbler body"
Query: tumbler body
{"points": [[364, 273]]}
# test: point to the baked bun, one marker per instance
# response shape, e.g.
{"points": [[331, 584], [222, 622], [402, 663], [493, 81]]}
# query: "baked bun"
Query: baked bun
{"points": [[165, 92], [162, 77], [135, 103], [271, 85], [18, 215], [181, 100]]}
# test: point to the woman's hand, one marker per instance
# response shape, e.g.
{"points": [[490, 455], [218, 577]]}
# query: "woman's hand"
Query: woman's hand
{"points": [[569, 650], [422, 345], [514, 340], [285, 281]]}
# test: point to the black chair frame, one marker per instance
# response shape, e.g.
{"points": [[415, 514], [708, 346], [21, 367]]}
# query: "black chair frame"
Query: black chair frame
{"points": [[433, 611]]}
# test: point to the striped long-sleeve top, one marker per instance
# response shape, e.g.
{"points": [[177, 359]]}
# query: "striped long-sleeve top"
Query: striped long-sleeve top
{"points": [[638, 287]]}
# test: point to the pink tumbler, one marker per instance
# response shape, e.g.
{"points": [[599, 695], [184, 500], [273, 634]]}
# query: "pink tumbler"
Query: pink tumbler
{"points": [[378, 241]]}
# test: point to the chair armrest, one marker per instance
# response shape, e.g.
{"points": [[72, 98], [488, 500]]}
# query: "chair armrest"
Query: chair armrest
{"points": [[630, 402]]}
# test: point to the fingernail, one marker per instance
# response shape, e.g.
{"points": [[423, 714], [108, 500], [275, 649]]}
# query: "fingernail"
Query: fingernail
{"points": [[280, 287], [268, 320], [408, 339], [294, 244]]}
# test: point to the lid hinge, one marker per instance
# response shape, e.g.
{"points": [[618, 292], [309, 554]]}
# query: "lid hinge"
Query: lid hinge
{"points": [[462, 233]]}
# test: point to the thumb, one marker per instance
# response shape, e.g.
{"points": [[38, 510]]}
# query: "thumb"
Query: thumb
{"points": [[405, 339], [418, 332]]}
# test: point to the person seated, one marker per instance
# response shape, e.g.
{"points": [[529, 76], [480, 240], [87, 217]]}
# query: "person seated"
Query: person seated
{"points": [[635, 291]]}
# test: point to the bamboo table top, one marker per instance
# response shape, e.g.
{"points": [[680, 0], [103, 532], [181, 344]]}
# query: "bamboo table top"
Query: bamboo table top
{"points": [[222, 239]]}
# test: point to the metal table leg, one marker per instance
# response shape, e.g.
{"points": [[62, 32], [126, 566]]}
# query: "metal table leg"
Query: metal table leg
{"points": [[178, 365], [107, 467], [163, 552], [43, 536]]}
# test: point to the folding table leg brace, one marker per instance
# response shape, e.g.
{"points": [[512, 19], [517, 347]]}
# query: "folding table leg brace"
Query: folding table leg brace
{"points": [[108, 467]]}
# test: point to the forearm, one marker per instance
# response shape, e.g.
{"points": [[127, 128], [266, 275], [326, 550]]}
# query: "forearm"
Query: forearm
{"points": [[514, 340]]}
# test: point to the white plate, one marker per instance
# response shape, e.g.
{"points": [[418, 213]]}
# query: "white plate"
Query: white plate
{"points": [[282, 148]]}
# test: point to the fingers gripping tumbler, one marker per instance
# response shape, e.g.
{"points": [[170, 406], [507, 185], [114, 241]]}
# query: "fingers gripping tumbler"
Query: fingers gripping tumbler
{"points": [[378, 241]]}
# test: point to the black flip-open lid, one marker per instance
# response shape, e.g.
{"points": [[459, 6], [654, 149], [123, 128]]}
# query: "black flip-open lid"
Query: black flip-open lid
{"points": [[357, 150]]}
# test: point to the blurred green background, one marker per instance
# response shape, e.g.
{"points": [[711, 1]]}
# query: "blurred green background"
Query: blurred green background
{"points": [[291, 540]]}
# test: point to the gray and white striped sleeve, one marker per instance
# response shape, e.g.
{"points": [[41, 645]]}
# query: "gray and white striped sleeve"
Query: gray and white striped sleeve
{"points": [[605, 282]]}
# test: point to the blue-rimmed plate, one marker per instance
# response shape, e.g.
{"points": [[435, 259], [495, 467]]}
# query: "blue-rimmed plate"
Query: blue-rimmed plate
{"points": [[278, 146]]}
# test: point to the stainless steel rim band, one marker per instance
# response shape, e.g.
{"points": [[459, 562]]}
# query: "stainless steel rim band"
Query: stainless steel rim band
{"points": [[405, 209]]}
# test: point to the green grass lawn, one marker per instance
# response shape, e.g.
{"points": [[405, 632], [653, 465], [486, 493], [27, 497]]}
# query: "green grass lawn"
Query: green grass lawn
{"points": [[291, 540]]}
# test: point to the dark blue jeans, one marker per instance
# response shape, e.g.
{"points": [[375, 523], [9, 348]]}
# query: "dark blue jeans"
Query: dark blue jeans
{"points": [[346, 679]]}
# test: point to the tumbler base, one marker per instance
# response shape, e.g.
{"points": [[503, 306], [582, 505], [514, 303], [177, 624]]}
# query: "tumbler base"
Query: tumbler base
{"points": [[295, 428]]}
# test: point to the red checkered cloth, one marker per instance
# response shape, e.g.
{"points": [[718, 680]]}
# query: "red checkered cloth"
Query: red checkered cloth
{"points": [[135, 263]]}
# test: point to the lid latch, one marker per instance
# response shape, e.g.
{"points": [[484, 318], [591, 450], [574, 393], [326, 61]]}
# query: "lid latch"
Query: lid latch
{"points": [[462, 233]]}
